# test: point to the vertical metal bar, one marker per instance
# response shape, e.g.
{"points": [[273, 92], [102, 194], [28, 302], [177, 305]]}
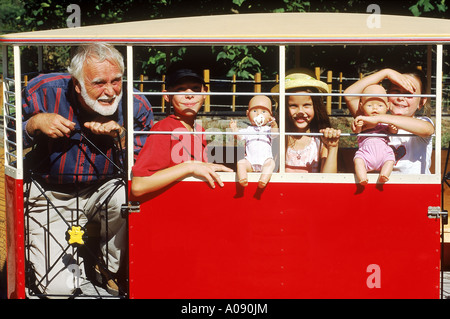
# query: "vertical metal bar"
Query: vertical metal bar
{"points": [[438, 130], [281, 105], [130, 112], [18, 111]]}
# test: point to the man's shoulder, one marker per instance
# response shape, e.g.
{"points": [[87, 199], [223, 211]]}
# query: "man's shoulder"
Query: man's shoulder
{"points": [[49, 80], [138, 98]]}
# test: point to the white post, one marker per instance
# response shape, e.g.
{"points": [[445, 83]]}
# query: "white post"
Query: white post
{"points": [[437, 149], [281, 105], [130, 111], [18, 103]]}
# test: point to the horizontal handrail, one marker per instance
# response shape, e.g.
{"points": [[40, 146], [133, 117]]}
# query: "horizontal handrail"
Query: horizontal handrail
{"points": [[264, 133], [293, 94]]}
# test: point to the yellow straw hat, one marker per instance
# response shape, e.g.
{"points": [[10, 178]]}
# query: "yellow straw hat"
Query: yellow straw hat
{"points": [[300, 80]]}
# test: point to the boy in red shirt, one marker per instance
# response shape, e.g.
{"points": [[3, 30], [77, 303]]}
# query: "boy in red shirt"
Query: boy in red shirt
{"points": [[167, 158]]}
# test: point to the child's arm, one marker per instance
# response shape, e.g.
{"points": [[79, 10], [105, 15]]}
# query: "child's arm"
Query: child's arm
{"points": [[164, 177], [329, 153], [415, 126], [375, 78]]}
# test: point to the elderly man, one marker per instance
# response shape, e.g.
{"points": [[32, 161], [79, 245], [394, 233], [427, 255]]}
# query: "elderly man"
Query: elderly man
{"points": [[75, 124]]}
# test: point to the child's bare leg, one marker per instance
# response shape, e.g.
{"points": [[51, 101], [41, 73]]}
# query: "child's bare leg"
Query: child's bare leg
{"points": [[386, 171], [360, 171], [266, 172], [243, 166]]}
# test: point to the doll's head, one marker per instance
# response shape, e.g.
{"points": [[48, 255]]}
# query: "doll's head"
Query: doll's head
{"points": [[374, 105], [259, 110]]}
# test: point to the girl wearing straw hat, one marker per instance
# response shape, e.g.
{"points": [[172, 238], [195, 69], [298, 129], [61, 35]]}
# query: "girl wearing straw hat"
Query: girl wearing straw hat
{"points": [[307, 114]]}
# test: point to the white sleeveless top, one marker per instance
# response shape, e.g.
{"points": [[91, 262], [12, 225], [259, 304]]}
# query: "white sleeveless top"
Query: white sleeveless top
{"points": [[305, 160]]}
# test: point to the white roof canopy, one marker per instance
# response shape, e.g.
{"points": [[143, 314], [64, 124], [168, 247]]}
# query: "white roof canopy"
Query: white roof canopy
{"points": [[277, 28]]}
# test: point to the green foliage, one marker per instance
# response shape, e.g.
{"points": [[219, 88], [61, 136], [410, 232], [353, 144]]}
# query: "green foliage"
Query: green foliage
{"points": [[426, 6], [10, 10], [241, 61], [294, 6]]}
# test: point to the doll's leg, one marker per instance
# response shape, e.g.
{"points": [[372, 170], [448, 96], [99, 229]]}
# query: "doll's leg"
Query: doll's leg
{"points": [[243, 166], [386, 171], [360, 170], [266, 172]]}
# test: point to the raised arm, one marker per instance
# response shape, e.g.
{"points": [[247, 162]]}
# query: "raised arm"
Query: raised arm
{"points": [[234, 128], [374, 78]]}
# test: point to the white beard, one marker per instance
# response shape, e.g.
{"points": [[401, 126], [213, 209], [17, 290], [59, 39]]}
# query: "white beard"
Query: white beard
{"points": [[96, 106]]}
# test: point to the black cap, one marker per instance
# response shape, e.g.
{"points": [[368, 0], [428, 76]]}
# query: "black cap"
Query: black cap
{"points": [[176, 75]]}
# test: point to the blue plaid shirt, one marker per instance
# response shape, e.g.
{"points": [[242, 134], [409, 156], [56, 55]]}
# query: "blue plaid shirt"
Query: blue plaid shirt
{"points": [[83, 156]]}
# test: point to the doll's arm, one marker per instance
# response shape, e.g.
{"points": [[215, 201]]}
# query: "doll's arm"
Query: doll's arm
{"points": [[357, 125], [392, 129], [415, 126], [233, 125], [274, 127], [273, 124], [234, 128]]}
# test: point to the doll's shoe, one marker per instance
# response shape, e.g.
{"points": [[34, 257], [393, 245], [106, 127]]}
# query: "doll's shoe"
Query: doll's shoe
{"points": [[383, 179], [264, 180], [103, 275], [243, 182]]}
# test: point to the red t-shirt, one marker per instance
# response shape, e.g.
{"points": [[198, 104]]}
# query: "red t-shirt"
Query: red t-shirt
{"points": [[166, 150]]}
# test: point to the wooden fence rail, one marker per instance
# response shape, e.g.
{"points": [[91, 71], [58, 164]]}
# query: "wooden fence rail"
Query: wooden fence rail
{"points": [[335, 84]]}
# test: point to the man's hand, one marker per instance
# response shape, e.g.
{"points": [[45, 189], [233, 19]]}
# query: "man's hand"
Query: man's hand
{"points": [[110, 128], [51, 124]]}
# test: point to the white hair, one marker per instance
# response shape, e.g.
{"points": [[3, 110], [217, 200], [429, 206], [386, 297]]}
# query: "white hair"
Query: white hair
{"points": [[99, 50]]}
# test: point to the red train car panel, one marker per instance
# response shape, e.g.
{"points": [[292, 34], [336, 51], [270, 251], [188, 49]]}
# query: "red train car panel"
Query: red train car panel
{"points": [[336, 241]]}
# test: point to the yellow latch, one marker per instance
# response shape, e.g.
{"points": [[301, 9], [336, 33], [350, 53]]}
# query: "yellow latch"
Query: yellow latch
{"points": [[76, 235]]}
